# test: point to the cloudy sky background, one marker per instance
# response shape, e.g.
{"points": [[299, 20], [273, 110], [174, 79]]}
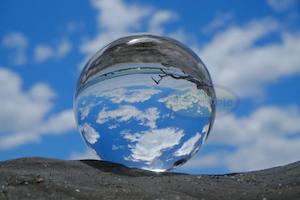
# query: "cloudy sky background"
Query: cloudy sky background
{"points": [[251, 48]]}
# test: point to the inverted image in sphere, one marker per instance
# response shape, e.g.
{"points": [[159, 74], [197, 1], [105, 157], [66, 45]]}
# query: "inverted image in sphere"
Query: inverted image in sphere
{"points": [[145, 101]]}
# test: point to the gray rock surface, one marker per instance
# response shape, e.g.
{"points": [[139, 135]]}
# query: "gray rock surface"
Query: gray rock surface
{"points": [[41, 178]]}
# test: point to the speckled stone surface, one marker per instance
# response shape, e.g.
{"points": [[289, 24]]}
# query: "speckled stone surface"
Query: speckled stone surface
{"points": [[41, 178]]}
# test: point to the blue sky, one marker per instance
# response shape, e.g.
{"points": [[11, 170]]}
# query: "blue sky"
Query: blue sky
{"points": [[251, 48]]}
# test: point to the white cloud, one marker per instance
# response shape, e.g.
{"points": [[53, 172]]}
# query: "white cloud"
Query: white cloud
{"points": [[85, 110], [18, 43], [122, 114], [268, 152], [59, 123], [281, 5], [41, 91], [126, 113], [15, 40], [114, 22], [22, 113], [237, 63], [220, 20], [63, 48], [89, 133], [265, 121], [114, 14], [188, 146], [158, 19], [115, 147], [151, 144], [266, 138], [149, 117], [208, 160], [56, 124], [88, 154], [187, 100], [119, 95], [24, 109], [44, 52], [89, 47]]}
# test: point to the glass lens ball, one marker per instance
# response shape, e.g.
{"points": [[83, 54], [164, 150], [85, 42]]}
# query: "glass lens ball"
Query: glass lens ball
{"points": [[145, 101]]}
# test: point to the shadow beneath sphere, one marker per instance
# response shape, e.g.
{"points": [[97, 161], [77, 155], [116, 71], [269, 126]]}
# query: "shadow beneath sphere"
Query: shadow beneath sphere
{"points": [[119, 169]]}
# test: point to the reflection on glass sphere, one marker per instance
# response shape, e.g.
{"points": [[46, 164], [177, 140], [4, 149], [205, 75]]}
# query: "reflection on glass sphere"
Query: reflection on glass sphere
{"points": [[145, 101]]}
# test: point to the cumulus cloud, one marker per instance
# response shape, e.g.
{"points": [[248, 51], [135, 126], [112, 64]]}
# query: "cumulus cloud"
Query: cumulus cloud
{"points": [[18, 43], [151, 144], [114, 22], [43, 52], [268, 120], [120, 95], [187, 100], [24, 109], [158, 20], [188, 146], [59, 123], [89, 133], [281, 5], [236, 62], [120, 20], [63, 49], [126, 113], [267, 137], [111, 26], [85, 110], [15, 40], [221, 20], [23, 113]]}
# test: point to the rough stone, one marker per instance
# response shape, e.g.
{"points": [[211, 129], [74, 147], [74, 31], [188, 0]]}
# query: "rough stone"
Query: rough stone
{"points": [[41, 178]]}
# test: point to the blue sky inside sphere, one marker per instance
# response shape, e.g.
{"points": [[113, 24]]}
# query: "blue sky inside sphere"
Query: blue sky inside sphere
{"points": [[130, 119], [250, 49]]}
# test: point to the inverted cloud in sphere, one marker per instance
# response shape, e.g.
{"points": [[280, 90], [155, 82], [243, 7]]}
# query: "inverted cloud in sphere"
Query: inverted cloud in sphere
{"points": [[127, 112], [150, 144], [89, 133]]}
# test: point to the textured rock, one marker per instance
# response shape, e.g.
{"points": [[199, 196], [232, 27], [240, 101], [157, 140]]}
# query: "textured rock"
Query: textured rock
{"points": [[40, 178]]}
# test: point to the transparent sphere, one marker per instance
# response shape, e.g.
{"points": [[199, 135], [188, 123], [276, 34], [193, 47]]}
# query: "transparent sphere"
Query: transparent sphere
{"points": [[145, 101]]}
